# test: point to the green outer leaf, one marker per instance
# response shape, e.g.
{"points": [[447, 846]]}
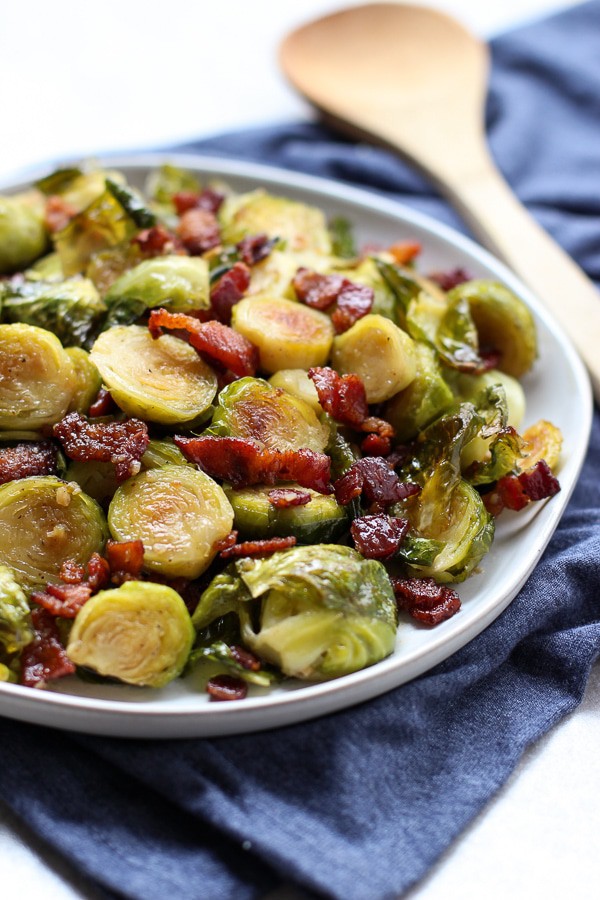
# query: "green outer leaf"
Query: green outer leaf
{"points": [[15, 621], [132, 203]]}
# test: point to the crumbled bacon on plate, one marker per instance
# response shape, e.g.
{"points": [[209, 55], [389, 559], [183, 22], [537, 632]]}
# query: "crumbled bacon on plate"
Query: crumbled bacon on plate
{"points": [[27, 458], [255, 247], [157, 241], [378, 536], [258, 548], [283, 498], [243, 462], [198, 230], [103, 405], [516, 491], [425, 600], [64, 600], [226, 687], [229, 290], [125, 560], [342, 396], [352, 301], [207, 199], [215, 341], [372, 477], [44, 659], [121, 443]]}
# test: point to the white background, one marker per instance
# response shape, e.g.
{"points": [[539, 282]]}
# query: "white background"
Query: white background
{"points": [[80, 79]]}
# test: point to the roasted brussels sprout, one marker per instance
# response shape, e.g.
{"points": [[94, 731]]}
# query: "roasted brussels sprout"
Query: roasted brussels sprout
{"points": [[47, 269], [88, 380], [177, 283], [503, 322], [380, 353], [15, 621], [297, 383], [96, 479], [322, 519], [44, 521], [23, 235], [102, 224], [179, 514], [252, 408], [418, 404], [162, 380], [72, 309], [162, 453], [301, 227], [543, 440], [140, 633], [37, 379], [325, 611], [287, 334]]}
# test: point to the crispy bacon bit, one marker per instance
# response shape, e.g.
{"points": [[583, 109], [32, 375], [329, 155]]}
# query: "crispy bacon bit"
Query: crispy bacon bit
{"points": [[378, 536], [404, 252], [228, 290], [71, 572], [342, 396], [255, 247], [399, 456], [64, 600], [373, 425], [245, 658], [121, 443], [450, 279], [198, 230], [224, 543], [321, 291], [374, 478], [376, 445], [425, 600], [207, 199], [243, 462], [490, 359], [98, 572], [282, 498], [103, 405], [58, 213], [44, 658], [214, 340], [258, 548], [516, 491], [226, 687], [157, 241], [125, 559], [28, 458], [353, 302]]}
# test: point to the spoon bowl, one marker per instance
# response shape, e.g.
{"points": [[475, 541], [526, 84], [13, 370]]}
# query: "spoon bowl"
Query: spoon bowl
{"points": [[415, 80]]}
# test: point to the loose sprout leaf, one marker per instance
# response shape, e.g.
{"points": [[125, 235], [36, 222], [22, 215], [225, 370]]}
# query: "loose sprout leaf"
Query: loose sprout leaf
{"points": [[132, 203], [342, 238], [58, 181], [101, 225], [221, 653]]}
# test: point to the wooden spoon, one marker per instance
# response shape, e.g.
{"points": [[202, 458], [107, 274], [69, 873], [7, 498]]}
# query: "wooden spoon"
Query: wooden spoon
{"points": [[414, 80]]}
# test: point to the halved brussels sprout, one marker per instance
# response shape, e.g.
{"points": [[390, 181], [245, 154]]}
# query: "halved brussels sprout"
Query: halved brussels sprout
{"points": [[96, 479], [252, 408], [177, 283], [320, 520], [23, 235], [140, 633], [297, 383], [543, 440], [273, 275], [179, 514], [162, 453], [380, 353], [102, 224], [301, 227], [72, 309], [77, 187], [15, 619], [162, 380], [428, 395], [88, 380], [287, 334], [470, 387], [503, 322], [37, 378], [325, 611], [44, 521]]}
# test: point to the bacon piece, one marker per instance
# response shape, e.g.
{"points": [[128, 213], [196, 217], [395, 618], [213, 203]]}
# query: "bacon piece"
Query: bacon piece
{"points": [[378, 536], [283, 498], [224, 543], [28, 458], [374, 478], [226, 687], [353, 302], [376, 445], [58, 213], [342, 396], [71, 572], [258, 548], [218, 342], [64, 600], [207, 199], [245, 658], [125, 559], [255, 247], [451, 278], [157, 241], [404, 252], [44, 658], [121, 443], [103, 405], [516, 491], [229, 290], [316, 290], [425, 600], [198, 230], [243, 462], [98, 572]]}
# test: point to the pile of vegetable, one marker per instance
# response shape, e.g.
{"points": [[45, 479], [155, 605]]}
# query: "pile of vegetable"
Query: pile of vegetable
{"points": [[231, 441]]}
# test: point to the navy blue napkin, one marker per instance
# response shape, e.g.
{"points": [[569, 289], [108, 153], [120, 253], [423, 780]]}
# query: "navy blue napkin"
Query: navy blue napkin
{"points": [[360, 804]]}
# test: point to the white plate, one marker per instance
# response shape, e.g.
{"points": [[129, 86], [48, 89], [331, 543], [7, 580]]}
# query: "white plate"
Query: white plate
{"points": [[557, 389]]}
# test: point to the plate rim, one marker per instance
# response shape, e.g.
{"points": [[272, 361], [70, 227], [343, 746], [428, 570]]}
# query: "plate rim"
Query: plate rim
{"points": [[106, 716]]}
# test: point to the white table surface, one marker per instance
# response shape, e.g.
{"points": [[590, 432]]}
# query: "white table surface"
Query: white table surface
{"points": [[80, 79]]}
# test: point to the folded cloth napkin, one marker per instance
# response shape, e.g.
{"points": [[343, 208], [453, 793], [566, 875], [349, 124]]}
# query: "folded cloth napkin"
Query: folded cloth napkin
{"points": [[360, 804]]}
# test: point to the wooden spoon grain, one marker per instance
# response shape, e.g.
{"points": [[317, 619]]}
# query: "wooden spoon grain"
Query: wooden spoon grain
{"points": [[413, 79]]}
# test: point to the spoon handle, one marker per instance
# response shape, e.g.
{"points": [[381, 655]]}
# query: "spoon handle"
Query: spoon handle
{"points": [[501, 223]]}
